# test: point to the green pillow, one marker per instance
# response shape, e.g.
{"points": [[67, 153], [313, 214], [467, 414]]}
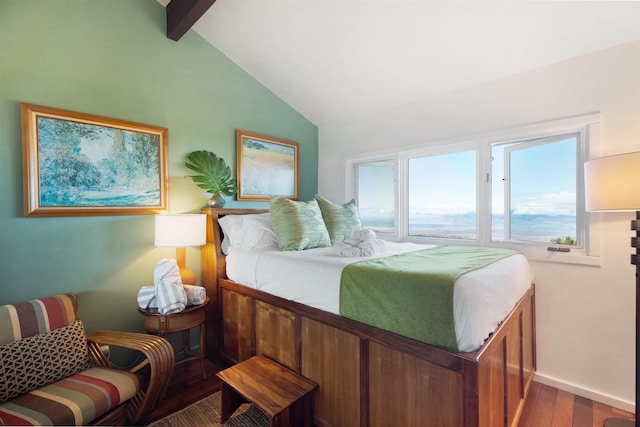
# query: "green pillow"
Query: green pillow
{"points": [[298, 225], [341, 220]]}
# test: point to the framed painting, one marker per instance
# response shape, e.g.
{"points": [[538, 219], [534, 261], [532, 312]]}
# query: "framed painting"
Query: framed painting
{"points": [[266, 166], [81, 164]]}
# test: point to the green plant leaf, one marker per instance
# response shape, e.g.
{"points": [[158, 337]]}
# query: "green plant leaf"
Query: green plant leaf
{"points": [[212, 173]]}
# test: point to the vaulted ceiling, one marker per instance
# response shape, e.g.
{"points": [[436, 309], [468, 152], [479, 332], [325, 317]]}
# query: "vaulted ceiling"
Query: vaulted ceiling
{"points": [[336, 60]]}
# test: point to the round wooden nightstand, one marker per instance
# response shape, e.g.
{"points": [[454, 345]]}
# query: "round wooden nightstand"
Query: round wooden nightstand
{"points": [[164, 324]]}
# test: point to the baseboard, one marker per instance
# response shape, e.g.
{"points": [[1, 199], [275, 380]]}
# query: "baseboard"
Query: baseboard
{"points": [[587, 393]]}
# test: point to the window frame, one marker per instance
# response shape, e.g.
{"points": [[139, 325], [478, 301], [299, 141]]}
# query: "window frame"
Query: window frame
{"points": [[438, 150], [386, 231], [527, 143], [587, 127]]}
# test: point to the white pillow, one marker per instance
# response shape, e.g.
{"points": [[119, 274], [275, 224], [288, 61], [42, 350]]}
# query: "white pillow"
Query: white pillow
{"points": [[251, 231]]}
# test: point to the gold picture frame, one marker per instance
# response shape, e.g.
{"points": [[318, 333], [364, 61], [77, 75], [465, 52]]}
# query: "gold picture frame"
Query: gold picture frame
{"points": [[266, 166], [82, 164]]}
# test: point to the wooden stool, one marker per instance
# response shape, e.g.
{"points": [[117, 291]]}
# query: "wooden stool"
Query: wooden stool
{"points": [[283, 395]]}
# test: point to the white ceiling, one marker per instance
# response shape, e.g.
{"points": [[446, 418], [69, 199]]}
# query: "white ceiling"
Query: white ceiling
{"points": [[336, 60]]}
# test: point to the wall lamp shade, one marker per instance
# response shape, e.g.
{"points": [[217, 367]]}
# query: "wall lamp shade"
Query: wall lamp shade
{"points": [[180, 231], [611, 183]]}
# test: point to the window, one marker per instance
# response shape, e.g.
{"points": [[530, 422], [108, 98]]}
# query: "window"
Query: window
{"points": [[520, 188], [534, 190], [442, 196], [376, 194]]}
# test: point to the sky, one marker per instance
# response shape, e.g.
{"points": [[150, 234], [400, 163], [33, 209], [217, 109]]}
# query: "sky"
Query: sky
{"points": [[543, 183]]}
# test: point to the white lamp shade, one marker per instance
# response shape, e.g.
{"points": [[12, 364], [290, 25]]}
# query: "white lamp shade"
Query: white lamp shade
{"points": [[181, 230], [613, 183]]}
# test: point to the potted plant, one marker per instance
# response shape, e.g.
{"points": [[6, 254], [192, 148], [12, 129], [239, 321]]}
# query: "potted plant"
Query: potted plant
{"points": [[212, 175]]}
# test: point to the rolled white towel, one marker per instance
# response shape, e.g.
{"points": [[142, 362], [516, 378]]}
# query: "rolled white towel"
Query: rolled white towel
{"points": [[337, 247], [171, 298], [371, 247], [168, 286], [166, 270], [352, 251], [344, 249], [147, 297], [195, 294], [364, 234], [352, 241]]}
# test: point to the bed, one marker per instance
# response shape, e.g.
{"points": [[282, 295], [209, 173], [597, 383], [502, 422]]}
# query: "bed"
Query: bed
{"points": [[368, 376]]}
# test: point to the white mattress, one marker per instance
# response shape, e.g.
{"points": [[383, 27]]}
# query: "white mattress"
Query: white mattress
{"points": [[481, 298]]}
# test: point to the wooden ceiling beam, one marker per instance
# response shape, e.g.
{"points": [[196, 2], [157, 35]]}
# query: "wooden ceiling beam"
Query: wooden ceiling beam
{"points": [[182, 14]]}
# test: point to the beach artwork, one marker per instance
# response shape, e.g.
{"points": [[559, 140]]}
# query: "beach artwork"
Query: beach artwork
{"points": [[266, 167]]}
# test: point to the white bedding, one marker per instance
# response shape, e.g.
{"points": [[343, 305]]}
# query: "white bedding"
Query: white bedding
{"points": [[481, 298]]}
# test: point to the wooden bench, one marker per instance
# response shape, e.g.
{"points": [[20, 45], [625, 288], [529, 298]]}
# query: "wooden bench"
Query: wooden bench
{"points": [[283, 395]]}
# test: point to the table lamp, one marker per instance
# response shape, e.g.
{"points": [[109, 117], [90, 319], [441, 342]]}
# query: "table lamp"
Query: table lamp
{"points": [[180, 231], [611, 184]]}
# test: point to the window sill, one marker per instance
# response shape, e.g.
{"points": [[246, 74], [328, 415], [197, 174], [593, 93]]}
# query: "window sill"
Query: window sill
{"points": [[533, 253], [562, 257]]}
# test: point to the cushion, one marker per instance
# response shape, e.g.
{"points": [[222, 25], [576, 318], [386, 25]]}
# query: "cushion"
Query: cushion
{"points": [[253, 231], [76, 400], [36, 316], [41, 359], [298, 225], [341, 220]]}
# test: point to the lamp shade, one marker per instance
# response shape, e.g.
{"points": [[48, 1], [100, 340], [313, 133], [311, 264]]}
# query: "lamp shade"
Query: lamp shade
{"points": [[180, 230], [613, 183]]}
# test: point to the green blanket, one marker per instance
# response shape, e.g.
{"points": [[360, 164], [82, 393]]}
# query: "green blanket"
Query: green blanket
{"points": [[411, 294]]}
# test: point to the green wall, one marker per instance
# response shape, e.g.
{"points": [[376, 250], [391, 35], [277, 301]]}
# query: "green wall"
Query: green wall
{"points": [[112, 58]]}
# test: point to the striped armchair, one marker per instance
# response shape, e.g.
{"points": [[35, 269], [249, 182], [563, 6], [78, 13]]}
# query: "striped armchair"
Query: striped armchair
{"points": [[51, 373]]}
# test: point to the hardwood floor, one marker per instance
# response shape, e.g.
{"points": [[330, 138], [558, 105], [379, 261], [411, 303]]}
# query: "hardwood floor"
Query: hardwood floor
{"points": [[545, 407], [549, 407]]}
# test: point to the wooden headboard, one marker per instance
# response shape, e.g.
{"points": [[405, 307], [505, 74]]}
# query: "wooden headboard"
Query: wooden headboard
{"points": [[213, 266]]}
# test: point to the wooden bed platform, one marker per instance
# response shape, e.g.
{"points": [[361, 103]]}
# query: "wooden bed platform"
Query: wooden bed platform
{"points": [[367, 376]]}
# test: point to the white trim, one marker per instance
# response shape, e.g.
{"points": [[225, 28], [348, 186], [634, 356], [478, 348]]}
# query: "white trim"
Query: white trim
{"points": [[349, 168], [616, 402], [574, 257], [544, 129]]}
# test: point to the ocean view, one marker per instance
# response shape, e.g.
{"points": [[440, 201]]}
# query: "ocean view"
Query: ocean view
{"points": [[533, 228]]}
